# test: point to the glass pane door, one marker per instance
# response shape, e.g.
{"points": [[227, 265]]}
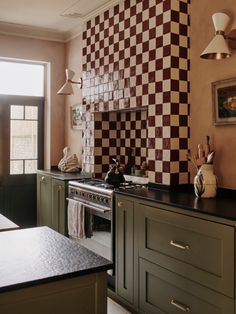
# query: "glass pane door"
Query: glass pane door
{"points": [[23, 139]]}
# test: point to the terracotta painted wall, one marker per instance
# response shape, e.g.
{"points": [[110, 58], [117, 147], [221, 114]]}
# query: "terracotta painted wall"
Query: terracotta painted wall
{"points": [[53, 53], [202, 74], [73, 138]]}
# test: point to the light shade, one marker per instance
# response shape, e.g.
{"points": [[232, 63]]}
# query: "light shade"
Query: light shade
{"points": [[218, 47], [67, 87]]}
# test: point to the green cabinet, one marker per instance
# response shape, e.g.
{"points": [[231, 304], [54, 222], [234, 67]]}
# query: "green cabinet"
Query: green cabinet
{"points": [[59, 205], [125, 251], [44, 200], [52, 203], [169, 260]]}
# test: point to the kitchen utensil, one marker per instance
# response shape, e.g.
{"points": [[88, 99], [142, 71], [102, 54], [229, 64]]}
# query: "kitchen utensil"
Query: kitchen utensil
{"points": [[114, 176], [207, 148]]}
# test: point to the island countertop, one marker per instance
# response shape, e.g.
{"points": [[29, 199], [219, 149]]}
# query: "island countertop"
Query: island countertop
{"points": [[40, 255]]}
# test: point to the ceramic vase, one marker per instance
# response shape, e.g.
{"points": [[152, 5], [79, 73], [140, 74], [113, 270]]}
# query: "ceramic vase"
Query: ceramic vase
{"points": [[205, 182]]}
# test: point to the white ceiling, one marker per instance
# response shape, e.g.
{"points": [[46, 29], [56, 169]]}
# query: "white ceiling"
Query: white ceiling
{"points": [[50, 19]]}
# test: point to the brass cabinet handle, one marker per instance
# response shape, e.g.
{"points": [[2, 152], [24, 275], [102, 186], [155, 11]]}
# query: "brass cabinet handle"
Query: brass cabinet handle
{"points": [[59, 187], [179, 245], [180, 306], [120, 204], [43, 179]]}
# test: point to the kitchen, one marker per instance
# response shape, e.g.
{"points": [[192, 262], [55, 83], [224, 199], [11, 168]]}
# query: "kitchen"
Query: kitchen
{"points": [[180, 124]]}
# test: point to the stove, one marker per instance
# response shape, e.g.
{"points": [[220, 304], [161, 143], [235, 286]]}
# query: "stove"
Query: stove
{"points": [[92, 192], [96, 197]]}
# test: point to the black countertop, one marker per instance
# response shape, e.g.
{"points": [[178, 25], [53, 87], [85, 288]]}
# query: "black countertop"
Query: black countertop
{"points": [[219, 206], [33, 256], [64, 176]]}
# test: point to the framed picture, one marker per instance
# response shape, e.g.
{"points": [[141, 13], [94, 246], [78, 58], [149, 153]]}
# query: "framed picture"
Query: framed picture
{"points": [[77, 117], [224, 102]]}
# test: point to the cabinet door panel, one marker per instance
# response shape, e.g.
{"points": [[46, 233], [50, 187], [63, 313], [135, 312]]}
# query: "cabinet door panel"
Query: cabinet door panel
{"points": [[125, 255], [44, 201], [58, 205], [200, 250], [161, 291]]}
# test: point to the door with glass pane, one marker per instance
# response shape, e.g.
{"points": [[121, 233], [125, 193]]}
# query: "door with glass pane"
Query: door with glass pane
{"points": [[21, 143]]}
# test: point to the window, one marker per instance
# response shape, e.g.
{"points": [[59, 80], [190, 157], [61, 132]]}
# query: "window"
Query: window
{"points": [[23, 139], [21, 79]]}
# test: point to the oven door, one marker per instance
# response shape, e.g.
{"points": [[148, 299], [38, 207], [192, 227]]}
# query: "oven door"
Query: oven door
{"points": [[98, 225]]}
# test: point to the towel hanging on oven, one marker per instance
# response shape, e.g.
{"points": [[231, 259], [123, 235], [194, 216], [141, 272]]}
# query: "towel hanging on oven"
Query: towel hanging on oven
{"points": [[75, 219]]}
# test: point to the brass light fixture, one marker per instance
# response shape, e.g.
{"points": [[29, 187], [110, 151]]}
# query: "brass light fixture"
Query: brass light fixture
{"points": [[218, 48], [67, 87]]}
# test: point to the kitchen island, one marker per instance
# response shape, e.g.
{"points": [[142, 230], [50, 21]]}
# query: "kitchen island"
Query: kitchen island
{"points": [[42, 271], [6, 224]]}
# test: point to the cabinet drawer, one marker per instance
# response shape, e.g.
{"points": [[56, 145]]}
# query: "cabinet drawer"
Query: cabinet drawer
{"points": [[200, 250], [162, 292]]}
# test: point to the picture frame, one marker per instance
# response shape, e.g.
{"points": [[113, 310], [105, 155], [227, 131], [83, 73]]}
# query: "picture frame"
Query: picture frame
{"points": [[224, 101], [77, 117]]}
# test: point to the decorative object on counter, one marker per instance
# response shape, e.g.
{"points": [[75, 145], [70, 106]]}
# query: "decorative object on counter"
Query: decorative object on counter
{"points": [[77, 117], [224, 101], [218, 48], [67, 87], [115, 176], [205, 182], [69, 162]]}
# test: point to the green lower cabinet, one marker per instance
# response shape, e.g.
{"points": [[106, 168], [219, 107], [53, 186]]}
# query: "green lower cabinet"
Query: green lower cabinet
{"points": [[44, 200], [59, 205], [52, 203], [169, 262], [161, 292], [125, 251]]}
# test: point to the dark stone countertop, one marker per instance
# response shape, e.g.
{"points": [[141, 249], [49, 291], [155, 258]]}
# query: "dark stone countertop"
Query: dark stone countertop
{"points": [[6, 224], [220, 206], [38, 255], [64, 176]]}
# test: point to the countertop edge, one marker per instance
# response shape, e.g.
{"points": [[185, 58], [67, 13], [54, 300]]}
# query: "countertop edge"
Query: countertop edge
{"points": [[203, 206]]}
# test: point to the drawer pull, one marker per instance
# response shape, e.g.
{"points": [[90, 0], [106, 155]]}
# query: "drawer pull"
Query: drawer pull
{"points": [[180, 306], [181, 246], [43, 179], [120, 204]]}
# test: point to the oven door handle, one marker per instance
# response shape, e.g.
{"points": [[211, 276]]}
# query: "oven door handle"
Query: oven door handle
{"points": [[90, 205]]}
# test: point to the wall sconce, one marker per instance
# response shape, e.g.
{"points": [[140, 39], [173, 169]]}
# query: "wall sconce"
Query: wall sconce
{"points": [[67, 87], [218, 48]]}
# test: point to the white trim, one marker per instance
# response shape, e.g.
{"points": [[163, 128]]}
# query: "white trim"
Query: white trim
{"points": [[101, 9], [12, 29]]}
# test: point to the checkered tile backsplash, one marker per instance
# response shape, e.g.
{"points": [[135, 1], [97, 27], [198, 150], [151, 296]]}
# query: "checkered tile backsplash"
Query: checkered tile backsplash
{"points": [[137, 54], [115, 134]]}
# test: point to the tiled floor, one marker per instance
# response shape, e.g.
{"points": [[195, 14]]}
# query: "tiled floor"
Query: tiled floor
{"points": [[114, 308]]}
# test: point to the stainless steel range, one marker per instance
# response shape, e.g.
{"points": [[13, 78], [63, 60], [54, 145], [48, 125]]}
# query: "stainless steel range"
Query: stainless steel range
{"points": [[97, 199]]}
